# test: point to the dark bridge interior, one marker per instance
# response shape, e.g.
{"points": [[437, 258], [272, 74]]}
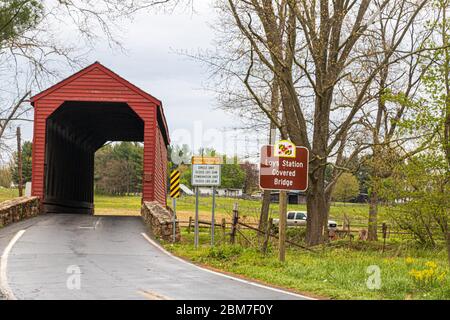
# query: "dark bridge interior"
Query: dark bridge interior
{"points": [[75, 131]]}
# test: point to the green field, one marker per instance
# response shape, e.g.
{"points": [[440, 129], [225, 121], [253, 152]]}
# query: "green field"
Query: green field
{"points": [[358, 213], [7, 194], [248, 209]]}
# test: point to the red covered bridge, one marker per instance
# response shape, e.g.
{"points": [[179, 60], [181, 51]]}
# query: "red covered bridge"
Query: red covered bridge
{"points": [[76, 117]]}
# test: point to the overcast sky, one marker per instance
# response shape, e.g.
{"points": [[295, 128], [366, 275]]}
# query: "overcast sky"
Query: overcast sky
{"points": [[151, 62]]}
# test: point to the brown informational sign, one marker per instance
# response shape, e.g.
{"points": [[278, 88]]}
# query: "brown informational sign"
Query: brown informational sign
{"points": [[284, 170]]}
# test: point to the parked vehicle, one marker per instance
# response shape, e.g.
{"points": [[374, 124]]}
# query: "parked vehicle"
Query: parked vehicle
{"points": [[298, 218]]}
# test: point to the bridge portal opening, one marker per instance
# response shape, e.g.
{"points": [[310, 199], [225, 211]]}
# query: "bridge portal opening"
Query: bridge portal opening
{"points": [[74, 132], [118, 178]]}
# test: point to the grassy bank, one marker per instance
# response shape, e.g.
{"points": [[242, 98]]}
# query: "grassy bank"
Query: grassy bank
{"points": [[337, 272], [7, 194]]}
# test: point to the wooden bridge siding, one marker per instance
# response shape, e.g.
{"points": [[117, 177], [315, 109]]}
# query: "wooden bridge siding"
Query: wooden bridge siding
{"points": [[98, 86]]}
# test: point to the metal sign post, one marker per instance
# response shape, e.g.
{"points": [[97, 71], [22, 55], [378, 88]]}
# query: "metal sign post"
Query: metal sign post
{"points": [[205, 173], [213, 220], [196, 231], [174, 225], [175, 193]]}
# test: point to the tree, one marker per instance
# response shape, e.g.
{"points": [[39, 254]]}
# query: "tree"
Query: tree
{"points": [[5, 177], [314, 49], [417, 192], [346, 188], [27, 153], [33, 53], [251, 182], [232, 176], [118, 168], [432, 114]]}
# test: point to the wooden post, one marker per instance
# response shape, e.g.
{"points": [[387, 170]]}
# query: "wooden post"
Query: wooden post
{"points": [[224, 227], [384, 229], [189, 225], [267, 236], [448, 247], [19, 162], [282, 226], [234, 224]]}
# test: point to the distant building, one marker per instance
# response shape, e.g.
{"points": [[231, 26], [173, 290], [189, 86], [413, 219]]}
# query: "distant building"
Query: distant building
{"points": [[185, 190], [361, 198], [294, 197], [221, 192]]}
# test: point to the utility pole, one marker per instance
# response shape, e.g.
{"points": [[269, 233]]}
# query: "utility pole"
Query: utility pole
{"points": [[282, 226], [19, 162]]}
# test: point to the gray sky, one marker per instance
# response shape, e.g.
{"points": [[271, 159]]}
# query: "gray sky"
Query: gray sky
{"points": [[150, 62]]}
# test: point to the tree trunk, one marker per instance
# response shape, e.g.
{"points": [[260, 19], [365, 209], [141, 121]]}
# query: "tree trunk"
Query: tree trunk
{"points": [[373, 216], [317, 208]]}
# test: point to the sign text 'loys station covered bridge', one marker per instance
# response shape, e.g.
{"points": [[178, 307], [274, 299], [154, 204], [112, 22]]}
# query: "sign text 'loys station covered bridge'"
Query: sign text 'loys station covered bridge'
{"points": [[76, 117]]}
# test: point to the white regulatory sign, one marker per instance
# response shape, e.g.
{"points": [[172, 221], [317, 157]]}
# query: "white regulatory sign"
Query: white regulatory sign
{"points": [[205, 175]]}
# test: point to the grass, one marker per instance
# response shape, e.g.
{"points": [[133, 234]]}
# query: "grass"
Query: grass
{"points": [[7, 194], [338, 272], [248, 209], [117, 205]]}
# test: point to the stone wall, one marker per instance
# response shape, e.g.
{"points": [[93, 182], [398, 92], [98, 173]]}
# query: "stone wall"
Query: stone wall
{"points": [[18, 209], [159, 220]]}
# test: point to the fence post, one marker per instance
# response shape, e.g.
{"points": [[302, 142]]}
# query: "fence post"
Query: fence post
{"points": [[234, 223], [384, 228], [267, 236], [189, 225], [224, 229], [448, 247]]}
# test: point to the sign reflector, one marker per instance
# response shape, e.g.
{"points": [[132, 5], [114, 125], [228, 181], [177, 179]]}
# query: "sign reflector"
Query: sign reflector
{"points": [[175, 191]]}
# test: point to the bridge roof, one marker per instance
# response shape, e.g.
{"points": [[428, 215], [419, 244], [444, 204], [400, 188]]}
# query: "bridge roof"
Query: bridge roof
{"points": [[113, 75]]}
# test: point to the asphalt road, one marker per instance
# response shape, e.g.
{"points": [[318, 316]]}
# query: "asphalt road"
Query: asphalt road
{"points": [[86, 257]]}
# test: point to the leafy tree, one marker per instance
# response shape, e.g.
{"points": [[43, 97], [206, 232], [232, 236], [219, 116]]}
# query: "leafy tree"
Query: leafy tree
{"points": [[17, 17], [418, 197], [119, 168], [186, 174], [347, 188], [232, 176], [5, 177], [251, 177], [27, 151]]}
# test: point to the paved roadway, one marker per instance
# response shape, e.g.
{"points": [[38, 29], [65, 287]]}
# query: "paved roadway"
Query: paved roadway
{"points": [[115, 259]]}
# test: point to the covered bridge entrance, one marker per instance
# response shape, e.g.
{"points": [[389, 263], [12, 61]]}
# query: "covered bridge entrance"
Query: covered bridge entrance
{"points": [[76, 117]]}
